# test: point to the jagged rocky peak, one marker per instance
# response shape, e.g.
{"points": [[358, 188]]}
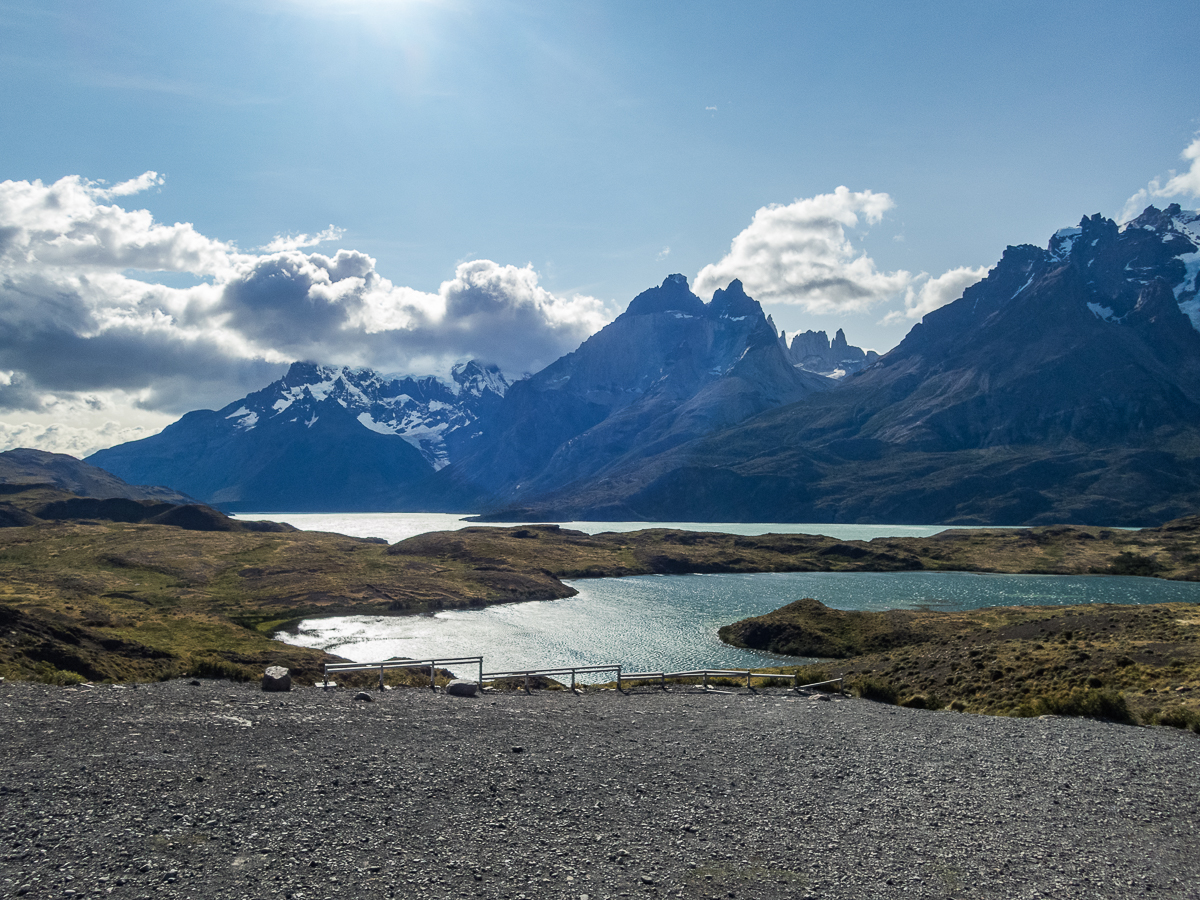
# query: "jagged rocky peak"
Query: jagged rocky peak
{"points": [[433, 415], [1120, 263], [477, 378], [673, 295], [734, 303], [813, 351]]}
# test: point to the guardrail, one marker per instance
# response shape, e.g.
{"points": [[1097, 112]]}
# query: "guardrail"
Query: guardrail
{"points": [[562, 670], [396, 663], [559, 671]]}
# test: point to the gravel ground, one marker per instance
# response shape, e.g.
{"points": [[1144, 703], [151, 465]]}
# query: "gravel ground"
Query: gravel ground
{"points": [[221, 791]]}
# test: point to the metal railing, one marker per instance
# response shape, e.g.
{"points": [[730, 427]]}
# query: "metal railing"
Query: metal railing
{"points": [[559, 671], [562, 670], [431, 664]]}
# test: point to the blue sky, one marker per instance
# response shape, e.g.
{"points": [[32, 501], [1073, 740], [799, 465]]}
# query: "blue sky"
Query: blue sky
{"points": [[553, 157]]}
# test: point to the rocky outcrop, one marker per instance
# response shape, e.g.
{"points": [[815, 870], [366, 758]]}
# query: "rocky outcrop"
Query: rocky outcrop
{"points": [[814, 352], [276, 679]]}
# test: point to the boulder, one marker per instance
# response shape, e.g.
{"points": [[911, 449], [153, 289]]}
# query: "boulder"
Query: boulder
{"points": [[276, 678], [462, 688], [364, 696]]}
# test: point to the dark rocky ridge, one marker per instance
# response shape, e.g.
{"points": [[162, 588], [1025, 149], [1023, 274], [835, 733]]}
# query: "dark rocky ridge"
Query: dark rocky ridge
{"points": [[23, 468], [38, 504], [1063, 387], [219, 791], [668, 370]]}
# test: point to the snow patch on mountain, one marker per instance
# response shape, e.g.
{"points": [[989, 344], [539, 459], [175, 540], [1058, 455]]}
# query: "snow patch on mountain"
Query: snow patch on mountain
{"points": [[424, 411], [1062, 242]]}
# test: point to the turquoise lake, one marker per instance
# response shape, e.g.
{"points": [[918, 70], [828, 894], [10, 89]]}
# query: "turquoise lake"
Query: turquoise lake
{"points": [[658, 622]]}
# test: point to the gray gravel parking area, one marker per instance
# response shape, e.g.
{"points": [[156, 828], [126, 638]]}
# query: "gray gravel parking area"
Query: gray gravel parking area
{"points": [[221, 791]]}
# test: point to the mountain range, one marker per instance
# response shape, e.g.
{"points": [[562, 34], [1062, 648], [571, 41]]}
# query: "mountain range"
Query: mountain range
{"points": [[1064, 387], [319, 438]]}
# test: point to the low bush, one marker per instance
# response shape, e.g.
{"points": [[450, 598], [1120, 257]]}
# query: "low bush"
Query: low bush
{"points": [[217, 668], [1176, 717], [1087, 704], [878, 690]]}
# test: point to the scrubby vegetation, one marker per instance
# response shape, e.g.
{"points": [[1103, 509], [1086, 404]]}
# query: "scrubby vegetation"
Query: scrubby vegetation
{"points": [[98, 600], [1105, 661]]}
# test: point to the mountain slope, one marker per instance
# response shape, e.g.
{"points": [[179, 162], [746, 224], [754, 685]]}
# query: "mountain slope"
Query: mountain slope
{"points": [[24, 466], [669, 369], [1065, 386]]}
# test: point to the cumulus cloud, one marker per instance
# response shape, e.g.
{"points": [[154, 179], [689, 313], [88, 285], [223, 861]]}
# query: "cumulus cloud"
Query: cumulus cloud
{"points": [[1180, 184], [926, 294], [61, 438], [77, 328], [800, 254]]}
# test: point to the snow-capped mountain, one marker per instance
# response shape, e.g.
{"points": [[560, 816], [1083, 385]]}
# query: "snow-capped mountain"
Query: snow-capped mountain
{"points": [[437, 417], [319, 438]]}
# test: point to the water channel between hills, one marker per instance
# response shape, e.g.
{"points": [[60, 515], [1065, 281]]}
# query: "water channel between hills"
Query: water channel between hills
{"points": [[669, 623]]}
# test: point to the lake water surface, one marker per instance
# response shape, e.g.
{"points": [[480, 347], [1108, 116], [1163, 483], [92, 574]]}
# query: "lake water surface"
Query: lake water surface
{"points": [[657, 622], [398, 526]]}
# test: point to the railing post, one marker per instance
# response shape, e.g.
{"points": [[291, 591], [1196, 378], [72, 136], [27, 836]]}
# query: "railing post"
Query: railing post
{"points": [[527, 682], [747, 679], [481, 673], [432, 670], [706, 679], [796, 681], [325, 683], [842, 685], [619, 687], [664, 680], [381, 676], [572, 680]]}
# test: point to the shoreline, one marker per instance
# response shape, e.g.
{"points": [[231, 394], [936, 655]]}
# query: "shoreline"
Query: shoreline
{"points": [[90, 601]]}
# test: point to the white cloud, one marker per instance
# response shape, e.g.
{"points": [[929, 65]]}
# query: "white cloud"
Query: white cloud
{"points": [[1183, 184], [926, 294], [143, 182], [800, 254], [663, 254], [79, 332], [296, 242], [58, 437]]}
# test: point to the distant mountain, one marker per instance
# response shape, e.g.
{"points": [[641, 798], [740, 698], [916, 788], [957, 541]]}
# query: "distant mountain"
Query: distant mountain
{"points": [[23, 467], [814, 352], [320, 438], [668, 370], [1063, 387]]}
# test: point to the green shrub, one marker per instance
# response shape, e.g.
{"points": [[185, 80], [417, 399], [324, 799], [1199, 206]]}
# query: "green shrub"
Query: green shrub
{"points": [[47, 673], [217, 668], [1087, 704], [877, 690], [1177, 717]]}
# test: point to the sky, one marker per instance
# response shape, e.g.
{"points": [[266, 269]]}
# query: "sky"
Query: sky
{"points": [[195, 194]]}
